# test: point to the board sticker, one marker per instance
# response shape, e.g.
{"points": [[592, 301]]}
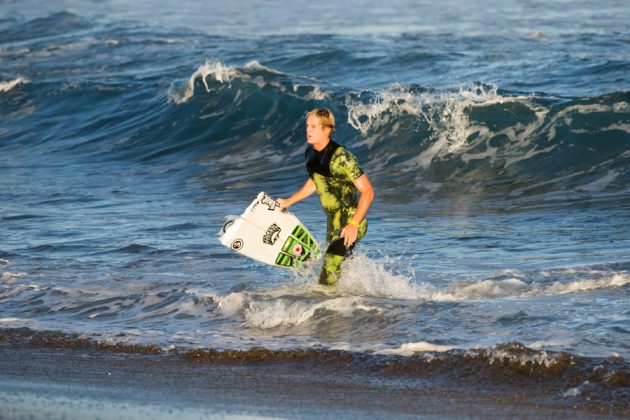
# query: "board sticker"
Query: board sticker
{"points": [[265, 233]]}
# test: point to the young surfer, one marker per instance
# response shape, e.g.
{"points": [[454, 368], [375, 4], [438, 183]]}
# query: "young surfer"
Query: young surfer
{"points": [[335, 174]]}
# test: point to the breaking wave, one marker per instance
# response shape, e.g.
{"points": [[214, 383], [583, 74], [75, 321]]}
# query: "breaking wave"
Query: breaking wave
{"points": [[476, 139], [578, 380], [367, 289], [7, 86], [238, 122]]}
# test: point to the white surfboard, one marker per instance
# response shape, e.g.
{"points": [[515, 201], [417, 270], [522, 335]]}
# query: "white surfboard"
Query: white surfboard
{"points": [[269, 235]]}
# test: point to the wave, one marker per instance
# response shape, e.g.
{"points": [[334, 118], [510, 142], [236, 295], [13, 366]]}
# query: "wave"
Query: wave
{"points": [[240, 123], [7, 86], [9, 276], [252, 73], [364, 276], [575, 379], [477, 139], [484, 141], [366, 288], [365, 281]]}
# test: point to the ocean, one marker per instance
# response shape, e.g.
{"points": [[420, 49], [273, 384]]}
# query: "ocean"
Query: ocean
{"points": [[496, 136]]}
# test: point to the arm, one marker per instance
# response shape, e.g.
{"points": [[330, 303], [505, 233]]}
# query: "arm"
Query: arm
{"points": [[350, 232], [307, 189]]}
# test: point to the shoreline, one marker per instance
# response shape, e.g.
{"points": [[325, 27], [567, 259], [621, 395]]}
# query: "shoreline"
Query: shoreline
{"points": [[62, 382]]}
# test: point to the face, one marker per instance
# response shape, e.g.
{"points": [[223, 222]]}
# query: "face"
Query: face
{"points": [[316, 134]]}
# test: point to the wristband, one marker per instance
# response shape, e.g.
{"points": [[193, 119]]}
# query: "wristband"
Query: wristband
{"points": [[354, 223]]}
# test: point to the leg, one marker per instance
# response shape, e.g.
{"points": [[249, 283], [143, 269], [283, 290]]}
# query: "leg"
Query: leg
{"points": [[336, 253], [331, 269]]}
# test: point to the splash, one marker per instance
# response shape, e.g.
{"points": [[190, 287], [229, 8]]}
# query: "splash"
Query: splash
{"points": [[367, 285], [362, 276]]}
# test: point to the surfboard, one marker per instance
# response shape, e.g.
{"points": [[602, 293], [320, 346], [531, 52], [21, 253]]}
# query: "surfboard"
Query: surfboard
{"points": [[266, 234]]}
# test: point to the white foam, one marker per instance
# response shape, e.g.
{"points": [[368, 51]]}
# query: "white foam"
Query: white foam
{"points": [[277, 312], [211, 68], [315, 94], [225, 74], [566, 113], [287, 305], [362, 276], [447, 116], [255, 65], [7, 86], [8, 276], [616, 280], [618, 127], [619, 280], [541, 344], [572, 392], [485, 289], [540, 358], [232, 303], [409, 349], [11, 320], [576, 391], [516, 288], [272, 313]]}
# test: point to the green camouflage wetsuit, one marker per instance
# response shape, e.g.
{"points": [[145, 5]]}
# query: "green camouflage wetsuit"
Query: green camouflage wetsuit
{"points": [[334, 171]]}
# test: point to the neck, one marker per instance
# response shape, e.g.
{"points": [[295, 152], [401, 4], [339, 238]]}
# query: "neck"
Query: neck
{"points": [[321, 146]]}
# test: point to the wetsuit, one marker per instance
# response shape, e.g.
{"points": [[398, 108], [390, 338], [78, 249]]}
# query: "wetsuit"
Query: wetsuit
{"points": [[334, 170]]}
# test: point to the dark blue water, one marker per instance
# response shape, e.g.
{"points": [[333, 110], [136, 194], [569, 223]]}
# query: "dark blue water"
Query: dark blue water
{"points": [[496, 135]]}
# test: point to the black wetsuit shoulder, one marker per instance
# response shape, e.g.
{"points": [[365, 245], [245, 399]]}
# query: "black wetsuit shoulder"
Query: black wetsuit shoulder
{"points": [[319, 162]]}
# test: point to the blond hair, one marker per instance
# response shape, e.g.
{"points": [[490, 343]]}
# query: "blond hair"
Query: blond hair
{"points": [[325, 116]]}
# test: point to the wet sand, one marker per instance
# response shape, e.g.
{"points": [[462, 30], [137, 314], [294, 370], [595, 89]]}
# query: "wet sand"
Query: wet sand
{"points": [[88, 383]]}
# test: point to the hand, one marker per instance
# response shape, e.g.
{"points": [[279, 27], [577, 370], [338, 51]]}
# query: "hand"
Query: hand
{"points": [[284, 203], [349, 235]]}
